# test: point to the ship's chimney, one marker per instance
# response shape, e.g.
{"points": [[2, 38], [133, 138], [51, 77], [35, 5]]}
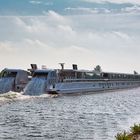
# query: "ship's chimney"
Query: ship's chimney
{"points": [[34, 66], [62, 65], [74, 66]]}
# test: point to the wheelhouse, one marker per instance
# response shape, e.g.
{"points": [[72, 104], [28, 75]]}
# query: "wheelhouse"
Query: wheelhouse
{"points": [[20, 78], [9, 73]]}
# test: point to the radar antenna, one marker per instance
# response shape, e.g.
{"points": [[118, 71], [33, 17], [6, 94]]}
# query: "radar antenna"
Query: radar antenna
{"points": [[62, 65]]}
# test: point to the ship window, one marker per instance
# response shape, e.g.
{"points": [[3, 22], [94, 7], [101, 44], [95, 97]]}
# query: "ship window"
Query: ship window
{"points": [[101, 84], [9, 74], [105, 75], [40, 74], [123, 83], [79, 75], [88, 75]]}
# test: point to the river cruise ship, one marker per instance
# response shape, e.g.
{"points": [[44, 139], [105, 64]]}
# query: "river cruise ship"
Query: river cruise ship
{"points": [[66, 81]]}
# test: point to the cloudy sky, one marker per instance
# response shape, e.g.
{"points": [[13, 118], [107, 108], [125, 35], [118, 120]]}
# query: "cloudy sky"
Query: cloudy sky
{"points": [[85, 32]]}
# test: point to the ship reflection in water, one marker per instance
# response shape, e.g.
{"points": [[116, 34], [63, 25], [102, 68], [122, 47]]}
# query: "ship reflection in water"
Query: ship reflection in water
{"points": [[97, 116]]}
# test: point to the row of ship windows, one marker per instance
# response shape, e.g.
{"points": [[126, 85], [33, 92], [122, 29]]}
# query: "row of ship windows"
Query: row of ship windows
{"points": [[113, 84], [124, 77], [109, 77]]}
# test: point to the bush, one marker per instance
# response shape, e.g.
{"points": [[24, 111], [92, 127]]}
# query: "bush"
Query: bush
{"points": [[122, 136], [134, 134], [135, 129]]}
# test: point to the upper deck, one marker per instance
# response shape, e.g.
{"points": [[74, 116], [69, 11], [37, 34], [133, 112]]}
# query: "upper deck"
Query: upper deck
{"points": [[92, 75]]}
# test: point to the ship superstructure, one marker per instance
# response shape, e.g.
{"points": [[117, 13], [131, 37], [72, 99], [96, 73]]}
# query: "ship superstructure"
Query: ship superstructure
{"points": [[13, 80], [64, 81]]}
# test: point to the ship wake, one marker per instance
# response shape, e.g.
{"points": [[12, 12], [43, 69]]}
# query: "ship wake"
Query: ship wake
{"points": [[15, 96]]}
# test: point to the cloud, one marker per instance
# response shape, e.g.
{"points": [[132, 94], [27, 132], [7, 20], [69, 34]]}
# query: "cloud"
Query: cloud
{"points": [[86, 11], [80, 10], [122, 35], [83, 10], [35, 2], [114, 1], [52, 15], [133, 9], [6, 47], [106, 39]]}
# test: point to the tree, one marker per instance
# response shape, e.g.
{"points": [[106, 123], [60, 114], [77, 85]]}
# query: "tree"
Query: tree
{"points": [[98, 69]]}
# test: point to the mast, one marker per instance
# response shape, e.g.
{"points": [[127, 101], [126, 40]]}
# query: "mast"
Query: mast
{"points": [[62, 65]]}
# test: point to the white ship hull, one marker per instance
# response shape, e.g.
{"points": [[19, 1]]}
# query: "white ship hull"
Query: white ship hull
{"points": [[83, 87]]}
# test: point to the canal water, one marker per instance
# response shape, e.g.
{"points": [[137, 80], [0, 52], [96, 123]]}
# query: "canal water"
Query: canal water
{"points": [[98, 116]]}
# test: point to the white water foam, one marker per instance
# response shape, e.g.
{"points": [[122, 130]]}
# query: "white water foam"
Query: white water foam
{"points": [[6, 84], [15, 96]]}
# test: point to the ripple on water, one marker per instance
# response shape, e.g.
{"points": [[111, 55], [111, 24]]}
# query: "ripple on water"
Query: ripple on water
{"points": [[95, 116]]}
